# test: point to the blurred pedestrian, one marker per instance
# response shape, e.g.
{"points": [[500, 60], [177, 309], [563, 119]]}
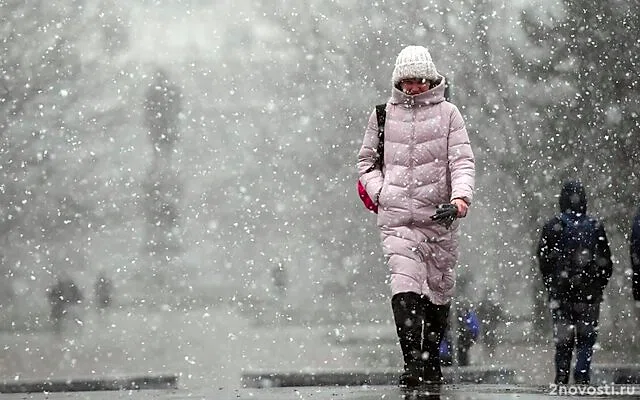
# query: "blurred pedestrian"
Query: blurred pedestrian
{"points": [[467, 330], [103, 289], [491, 316], [575, 262], [63, 295], [427, 165], [280, 279]]}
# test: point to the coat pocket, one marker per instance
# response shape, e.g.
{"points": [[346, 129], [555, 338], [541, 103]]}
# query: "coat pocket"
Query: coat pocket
{"points": [[441, 282], [448, 282]]}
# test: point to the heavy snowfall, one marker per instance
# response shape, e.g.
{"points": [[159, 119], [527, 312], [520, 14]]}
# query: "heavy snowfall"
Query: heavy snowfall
{"points": [[190, 166]]}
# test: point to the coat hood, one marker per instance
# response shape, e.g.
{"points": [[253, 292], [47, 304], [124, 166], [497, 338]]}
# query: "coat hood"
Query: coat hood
{"points": [[432, 96], [573, 198]]}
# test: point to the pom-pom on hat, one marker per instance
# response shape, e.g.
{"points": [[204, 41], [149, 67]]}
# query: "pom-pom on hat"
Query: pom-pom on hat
{"points": [[414, 62]]}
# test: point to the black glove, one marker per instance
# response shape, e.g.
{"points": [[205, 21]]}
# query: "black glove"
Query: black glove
{"points": [[445, 215]]}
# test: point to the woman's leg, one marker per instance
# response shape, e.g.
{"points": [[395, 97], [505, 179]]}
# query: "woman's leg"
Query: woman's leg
{"points": [[435, 324], [408, 319]]}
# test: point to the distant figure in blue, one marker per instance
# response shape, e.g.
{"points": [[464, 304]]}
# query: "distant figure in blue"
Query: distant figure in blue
{"points": [[575, 263], [634, 250], [467, 330]]}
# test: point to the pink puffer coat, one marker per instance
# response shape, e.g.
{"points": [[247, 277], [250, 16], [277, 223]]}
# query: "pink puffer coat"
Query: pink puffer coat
{"points": [[427, 161]]}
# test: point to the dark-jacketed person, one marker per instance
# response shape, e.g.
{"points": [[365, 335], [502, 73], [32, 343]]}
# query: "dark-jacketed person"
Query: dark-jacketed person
{"points": [[575, 263]]}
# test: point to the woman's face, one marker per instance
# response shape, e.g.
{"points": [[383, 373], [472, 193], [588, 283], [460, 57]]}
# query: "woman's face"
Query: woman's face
{"points": [[413, 86]]}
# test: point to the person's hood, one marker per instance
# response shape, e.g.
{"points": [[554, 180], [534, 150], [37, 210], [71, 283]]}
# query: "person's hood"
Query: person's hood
{"points": [[432, 96], [573, 198]]}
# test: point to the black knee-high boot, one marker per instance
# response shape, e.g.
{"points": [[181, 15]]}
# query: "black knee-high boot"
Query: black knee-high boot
{"points": [[435, 323], [407, 313]]}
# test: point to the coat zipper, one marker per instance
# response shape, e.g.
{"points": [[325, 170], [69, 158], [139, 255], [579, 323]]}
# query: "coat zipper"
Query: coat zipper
{"points": [[412, 161]]}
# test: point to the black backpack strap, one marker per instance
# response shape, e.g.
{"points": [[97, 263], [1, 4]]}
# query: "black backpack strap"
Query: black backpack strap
{"points": [[447, 89], [381, 115]]}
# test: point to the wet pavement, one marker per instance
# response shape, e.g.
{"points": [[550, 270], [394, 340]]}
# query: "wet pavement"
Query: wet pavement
{"points": [[376, 377], [214, 355], [446, 392]]}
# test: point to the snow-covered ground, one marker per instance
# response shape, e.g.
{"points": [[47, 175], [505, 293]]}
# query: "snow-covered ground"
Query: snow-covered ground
{"points": [[206, 348], [212, 348]]}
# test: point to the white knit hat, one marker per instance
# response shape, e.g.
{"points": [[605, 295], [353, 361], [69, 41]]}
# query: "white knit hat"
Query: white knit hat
{"points": [[414, 62]]}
